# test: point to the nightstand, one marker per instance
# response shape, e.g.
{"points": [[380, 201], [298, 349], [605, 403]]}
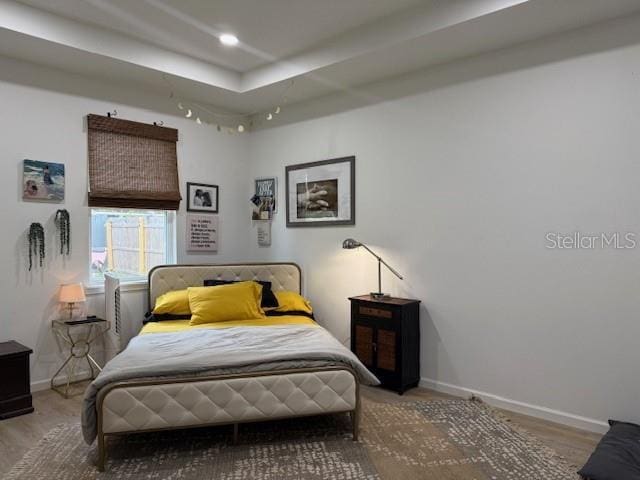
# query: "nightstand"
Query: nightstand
{"points": [[79, 335], [15, 384], [385, 336]]}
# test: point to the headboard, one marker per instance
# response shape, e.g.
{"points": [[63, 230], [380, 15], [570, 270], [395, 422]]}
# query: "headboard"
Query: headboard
{"points": [[163, 278]]}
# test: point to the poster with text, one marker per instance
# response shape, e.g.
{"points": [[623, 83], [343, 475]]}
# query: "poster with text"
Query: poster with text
{"points": [[202, 233], [264, 199]]}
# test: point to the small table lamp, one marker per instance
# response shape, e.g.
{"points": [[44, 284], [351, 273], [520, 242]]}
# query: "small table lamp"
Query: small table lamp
{"points": [[350, 244], [70, 294]]}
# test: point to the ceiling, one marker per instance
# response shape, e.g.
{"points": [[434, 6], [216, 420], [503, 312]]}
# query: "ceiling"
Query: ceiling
{"points": [[270, 29], [298, 49]]}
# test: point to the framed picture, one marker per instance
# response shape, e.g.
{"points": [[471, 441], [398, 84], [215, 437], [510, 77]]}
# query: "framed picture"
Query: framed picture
{"points": [[202, 198], [321, 193], [42, 181], [264, 199]]}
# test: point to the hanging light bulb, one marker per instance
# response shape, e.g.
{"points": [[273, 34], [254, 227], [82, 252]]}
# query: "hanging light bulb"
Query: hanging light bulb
{"points": [[180, 106], [219, 128], [240, 128], [198, 121], [269, 116], [189, 113], [277, 110]]}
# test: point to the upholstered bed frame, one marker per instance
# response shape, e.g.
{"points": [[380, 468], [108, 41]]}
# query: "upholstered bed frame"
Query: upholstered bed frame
{"points": [[187, 402]]}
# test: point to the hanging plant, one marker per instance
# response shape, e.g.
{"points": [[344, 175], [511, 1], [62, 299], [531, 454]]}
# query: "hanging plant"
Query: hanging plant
{"points": [[63, 222], [36, 243]]}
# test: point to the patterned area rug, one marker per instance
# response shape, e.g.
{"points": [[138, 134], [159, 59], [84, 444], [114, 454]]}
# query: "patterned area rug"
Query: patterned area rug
{"points": [[454, 439], [443, 440]]}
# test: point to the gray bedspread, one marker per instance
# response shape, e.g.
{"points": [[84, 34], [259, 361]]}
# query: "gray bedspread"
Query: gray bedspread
{"points": [[220, 351]]}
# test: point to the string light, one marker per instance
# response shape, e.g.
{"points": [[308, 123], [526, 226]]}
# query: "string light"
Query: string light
{"points": [[233, 118], [239, 129]]}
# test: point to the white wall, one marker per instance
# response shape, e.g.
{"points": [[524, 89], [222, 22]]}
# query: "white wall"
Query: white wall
{"points": [[457, 187], [45, 124]]}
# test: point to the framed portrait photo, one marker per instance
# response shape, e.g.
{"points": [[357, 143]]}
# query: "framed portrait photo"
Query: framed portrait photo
{"points": [[321, 193], [202, 198]]}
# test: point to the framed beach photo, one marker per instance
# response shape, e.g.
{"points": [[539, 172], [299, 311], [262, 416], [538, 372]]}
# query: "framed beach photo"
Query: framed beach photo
{"points": [[202, 198], [42, 181], [321, 193]]}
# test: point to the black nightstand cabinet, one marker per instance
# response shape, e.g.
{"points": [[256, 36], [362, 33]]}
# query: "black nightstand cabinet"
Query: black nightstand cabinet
{"points": [[15, 387], [385, 336]]}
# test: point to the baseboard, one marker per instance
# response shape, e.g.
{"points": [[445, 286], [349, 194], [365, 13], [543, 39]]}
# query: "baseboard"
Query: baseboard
{"points": [[39, 385], [557, 416]]}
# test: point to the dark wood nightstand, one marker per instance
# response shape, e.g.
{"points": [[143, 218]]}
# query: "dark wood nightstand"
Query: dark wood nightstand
{"points": [[15, 383], [385, 335]]}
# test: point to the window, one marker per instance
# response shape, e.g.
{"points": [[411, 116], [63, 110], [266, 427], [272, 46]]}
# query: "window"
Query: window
{"points": [[128, 243]]}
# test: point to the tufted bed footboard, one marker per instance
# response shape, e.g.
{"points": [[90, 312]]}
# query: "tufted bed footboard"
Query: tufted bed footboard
{"points": [[154, 405]]}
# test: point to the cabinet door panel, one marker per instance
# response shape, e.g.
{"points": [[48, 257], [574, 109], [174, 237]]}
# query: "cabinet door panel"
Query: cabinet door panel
{"points": [[15, 379], [364, 344], [386, 350]]}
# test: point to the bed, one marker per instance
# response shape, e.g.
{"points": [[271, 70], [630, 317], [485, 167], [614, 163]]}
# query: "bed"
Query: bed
{"points": [[172, 376]]}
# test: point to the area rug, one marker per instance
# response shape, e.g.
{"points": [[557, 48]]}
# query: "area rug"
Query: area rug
{"points": [[439, 440], [455, 439], [316, 448]]}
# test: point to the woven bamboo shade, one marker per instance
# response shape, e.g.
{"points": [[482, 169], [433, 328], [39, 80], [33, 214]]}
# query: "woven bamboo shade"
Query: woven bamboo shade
{"points": [[132, 165]]}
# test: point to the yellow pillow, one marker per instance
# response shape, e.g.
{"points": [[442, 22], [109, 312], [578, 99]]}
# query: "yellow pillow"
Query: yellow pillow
{"points": [[292, 302], [175, 302], [235, 301]]}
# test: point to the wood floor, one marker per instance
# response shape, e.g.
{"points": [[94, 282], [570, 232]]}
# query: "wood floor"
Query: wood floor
{"points": [[18, 435]]}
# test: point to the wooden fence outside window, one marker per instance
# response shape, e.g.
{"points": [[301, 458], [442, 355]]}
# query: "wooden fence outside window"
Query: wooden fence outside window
{"points": [[134, 244]]}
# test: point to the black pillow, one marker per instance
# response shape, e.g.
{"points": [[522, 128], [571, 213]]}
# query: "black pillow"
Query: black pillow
{"points": [[268, 298], [162, 317], [298, 313], [617, 456]]}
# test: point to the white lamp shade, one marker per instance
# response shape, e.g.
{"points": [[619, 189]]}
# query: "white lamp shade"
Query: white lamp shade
{"points": [[72, 293]]}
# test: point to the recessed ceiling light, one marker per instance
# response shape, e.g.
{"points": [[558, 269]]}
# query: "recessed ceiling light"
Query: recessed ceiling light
{"points": [[228, 39]]}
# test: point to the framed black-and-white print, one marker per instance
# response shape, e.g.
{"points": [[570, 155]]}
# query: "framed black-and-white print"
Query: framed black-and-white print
{"points": [[202, 198], [321, 193]]}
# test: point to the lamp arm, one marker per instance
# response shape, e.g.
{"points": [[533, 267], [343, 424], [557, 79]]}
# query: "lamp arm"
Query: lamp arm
{"points": [[392, 269], [382, 261]]}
